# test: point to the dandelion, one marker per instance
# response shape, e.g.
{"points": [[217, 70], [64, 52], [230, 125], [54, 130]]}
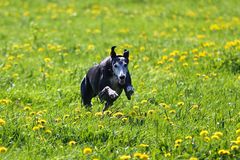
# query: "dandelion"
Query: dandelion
{"points": [[188, 137], [98, 114], [135, 107], [144, 156], [2, 122], [118, 114], [168, 154], [90, 47], [234, 147], [177, 145], [5, 101], [238, 132], [124, 120], [178, 141], [87, 150], [100, 126], [35, 128], [48, 131], [206, 139], [223, 152], [137, 155], [3, 149], [71, 143], [47, 60], [219, 134], [215, 137], [203, 133], [27, 108], [150, 112], [144, 101], [180, 103], [143, 145], [172, 111], [125, 157], [41, 121], [193, 158]]}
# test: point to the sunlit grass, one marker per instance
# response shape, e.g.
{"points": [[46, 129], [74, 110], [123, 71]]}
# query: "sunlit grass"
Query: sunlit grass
{"points": [[184, 62]]}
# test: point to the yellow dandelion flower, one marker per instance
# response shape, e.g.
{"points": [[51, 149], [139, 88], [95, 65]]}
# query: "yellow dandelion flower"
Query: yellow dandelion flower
{"points": [[125, 157], [206, 139], [150, 112], [137, 155], [143, 145], [47, 60], [195, 106], [144, 156], [133, 113], [223, 152], [219, 134], [90, 47], [168, 154], [193, 158], [178, 141], [215, 137], [87, 150], [48, 131], [142, 49], [66, 115], [177, 145], [238, 138], [172, 111], [144, 101], [203, 133], [180, 103], [234, 147], [35, 128], [41, 121], [118, 114], [3, 149], [2, 122], [98, 114], [185, 64], [108, 112], [135, 107], [125, 119], [100, 126], [5, 101], [27, 108], [71, 143], [188, 137], [238, 132]]}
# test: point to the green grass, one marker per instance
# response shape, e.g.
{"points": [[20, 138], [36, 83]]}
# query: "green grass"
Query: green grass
{"points": [[185, 66]]}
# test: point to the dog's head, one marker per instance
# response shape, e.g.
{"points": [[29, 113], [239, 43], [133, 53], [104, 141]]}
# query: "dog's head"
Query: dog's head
{"points": [[120, 65]]}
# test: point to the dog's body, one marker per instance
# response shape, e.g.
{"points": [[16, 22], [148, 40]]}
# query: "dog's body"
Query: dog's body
{"points": [[107, 80]]}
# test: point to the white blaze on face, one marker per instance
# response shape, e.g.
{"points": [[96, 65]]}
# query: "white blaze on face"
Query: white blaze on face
{"points": [[120, 70]]}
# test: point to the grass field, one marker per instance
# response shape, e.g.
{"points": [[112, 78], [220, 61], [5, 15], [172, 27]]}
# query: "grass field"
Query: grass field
{"points": [[185, 66]]}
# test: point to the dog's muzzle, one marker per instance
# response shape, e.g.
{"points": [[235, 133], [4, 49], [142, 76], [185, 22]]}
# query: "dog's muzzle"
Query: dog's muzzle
{"points": [[121, 80]]}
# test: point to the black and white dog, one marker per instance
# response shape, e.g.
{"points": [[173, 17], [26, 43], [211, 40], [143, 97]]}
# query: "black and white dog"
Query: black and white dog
{"points": [[107, 80]]}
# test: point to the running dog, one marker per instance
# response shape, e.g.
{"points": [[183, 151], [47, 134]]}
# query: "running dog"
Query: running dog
{"points": [[107, 80]]}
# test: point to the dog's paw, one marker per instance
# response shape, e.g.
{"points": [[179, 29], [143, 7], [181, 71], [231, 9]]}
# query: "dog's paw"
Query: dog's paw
{"points": [[113, 95], [129, 92]]}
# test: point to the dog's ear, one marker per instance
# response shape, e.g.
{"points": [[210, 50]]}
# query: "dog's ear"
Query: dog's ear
{"points": [[113, 53], [126, 53]]}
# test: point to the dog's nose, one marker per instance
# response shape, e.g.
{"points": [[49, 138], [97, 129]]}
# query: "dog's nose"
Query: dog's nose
{"points": [[122, 77]]}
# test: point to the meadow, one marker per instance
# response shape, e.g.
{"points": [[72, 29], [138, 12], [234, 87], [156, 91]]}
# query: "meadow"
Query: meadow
{"points": [[185, 67]]}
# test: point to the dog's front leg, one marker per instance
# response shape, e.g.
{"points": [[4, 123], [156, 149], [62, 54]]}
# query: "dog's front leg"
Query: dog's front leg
{"points": [[129, 90], [107, 94]]}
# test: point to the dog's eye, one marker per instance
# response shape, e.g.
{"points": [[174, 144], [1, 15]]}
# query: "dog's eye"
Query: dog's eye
{"points": [[115, 66]]}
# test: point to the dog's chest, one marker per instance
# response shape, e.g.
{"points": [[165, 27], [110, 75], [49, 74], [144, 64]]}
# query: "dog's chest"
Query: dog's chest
{"points": [[115, 86]]}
